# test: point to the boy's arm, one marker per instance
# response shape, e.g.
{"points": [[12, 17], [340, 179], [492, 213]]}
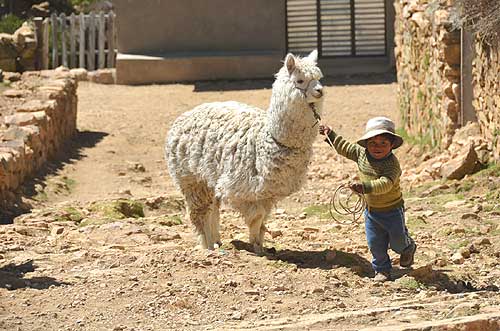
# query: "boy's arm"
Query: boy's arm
{"points": [[384, 183], [378, 186], [344, 147]]}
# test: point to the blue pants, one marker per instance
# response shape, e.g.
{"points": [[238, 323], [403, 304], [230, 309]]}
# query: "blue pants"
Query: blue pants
{"points": [[384, 230]]}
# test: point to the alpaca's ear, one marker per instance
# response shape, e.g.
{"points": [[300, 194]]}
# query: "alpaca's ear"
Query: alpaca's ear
{"points": [[313, 56], [290, 63]]}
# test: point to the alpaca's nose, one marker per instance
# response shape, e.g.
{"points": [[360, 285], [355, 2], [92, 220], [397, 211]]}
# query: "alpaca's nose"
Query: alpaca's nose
{"points": [[318, 92]]}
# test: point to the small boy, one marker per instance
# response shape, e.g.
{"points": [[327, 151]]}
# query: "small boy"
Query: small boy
{"points": [[379, 174]]}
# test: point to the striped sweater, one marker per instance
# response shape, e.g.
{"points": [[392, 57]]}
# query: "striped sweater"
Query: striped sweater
{"points": [[380, 178]]}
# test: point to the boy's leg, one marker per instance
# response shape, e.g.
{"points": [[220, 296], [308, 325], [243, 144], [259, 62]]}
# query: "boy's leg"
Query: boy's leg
{"points": [[399, 238], [378, 242]]}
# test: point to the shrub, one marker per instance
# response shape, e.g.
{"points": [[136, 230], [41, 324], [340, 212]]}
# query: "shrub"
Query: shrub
{"points": [[10, 23]]}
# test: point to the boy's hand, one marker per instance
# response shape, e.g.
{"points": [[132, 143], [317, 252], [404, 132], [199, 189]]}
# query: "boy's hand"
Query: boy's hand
{"points": [[324, 130], [357, 187]]}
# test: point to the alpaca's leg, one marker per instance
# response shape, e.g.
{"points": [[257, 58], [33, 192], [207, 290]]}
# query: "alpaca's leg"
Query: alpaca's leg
{"points": [[255, 216], [214, 221], [201, 208]]}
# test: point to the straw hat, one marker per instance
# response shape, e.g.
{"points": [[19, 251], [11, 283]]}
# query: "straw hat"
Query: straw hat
{"points": [[380, 125]]}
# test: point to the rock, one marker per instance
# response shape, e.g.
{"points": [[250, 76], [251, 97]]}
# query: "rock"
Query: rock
{"points": [[102, 76], [81, 74], [57, 231], [441, 262], [468, 216], [12, 76], [462, 165], [477, 208], [482, 242], [23, 119], [275, 233], [465, 252], [434, 189], [457, 258], [14, 93], [454, 204]]}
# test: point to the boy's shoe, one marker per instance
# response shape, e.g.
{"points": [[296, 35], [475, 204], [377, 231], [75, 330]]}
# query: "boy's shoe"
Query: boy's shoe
{"points": [[406, 258], [382, 276]]}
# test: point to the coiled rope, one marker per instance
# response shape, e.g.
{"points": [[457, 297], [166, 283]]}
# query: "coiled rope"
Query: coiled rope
{"points": [[354, 203]]}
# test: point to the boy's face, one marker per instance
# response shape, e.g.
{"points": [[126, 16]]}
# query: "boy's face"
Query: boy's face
{"points": [[379, 146]]}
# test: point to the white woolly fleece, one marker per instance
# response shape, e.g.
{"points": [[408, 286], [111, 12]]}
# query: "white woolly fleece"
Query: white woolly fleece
{"points": [[243, 155]]}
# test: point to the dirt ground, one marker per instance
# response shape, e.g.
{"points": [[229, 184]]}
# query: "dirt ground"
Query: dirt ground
{"points": [[106, 245]]}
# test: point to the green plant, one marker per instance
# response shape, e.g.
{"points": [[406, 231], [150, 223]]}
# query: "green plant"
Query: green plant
{"points": [[10, 23], [410, 283], [81, 5]]}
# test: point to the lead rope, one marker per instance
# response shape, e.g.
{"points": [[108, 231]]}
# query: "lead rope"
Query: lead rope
{"points": [[354, 204]]}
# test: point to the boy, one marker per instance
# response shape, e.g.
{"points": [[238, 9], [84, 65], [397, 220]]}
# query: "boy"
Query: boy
{"points": [[379, 174]]}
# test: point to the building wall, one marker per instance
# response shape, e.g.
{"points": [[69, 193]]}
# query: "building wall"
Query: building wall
{"points": [[182, 40], [428, 70], [429, 63], [486, 91]]}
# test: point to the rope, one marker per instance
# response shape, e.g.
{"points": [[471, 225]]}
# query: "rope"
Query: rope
{"points": [[354, 204]]}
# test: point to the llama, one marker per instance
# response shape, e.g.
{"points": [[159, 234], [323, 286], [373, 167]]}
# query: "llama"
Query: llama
{"points": [[244, 156]]}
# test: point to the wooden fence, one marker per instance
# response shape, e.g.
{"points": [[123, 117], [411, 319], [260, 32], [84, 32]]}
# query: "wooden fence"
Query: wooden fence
{"points": [[77, 41]]}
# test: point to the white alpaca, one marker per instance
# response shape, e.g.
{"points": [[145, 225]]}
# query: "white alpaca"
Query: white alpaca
{"points": [[244, 156]]}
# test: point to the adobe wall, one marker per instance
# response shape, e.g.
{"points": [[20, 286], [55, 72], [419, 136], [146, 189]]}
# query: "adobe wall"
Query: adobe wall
{"points": [[41, 117]]}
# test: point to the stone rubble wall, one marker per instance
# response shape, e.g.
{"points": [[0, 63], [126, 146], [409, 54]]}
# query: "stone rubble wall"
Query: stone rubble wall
{"points": [[37, 130], [18, 51], [486, 87], [428, 70]]}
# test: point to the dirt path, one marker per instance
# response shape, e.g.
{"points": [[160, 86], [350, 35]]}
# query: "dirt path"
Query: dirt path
{"points": [[86, 260]]}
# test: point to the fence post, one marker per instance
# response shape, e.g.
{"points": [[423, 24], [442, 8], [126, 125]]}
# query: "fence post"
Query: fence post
{"points": [[81, 46], [72, 46], [111, 40], [91, 51], [101, 36], [64, 55], [55, 54], [467, 112], [39, 41], [45, 43]]}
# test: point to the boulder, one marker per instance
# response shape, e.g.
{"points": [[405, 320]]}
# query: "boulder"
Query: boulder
{"points": [[465, 163], [102, 76]]}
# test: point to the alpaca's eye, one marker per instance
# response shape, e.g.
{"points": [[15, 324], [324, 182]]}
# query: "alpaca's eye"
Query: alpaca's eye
{"points": [[300, 81]]}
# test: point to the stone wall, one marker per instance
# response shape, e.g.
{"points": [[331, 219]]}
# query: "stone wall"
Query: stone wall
{"points": [[428, 69], [44, 108], [18, 51], [486, 85]]}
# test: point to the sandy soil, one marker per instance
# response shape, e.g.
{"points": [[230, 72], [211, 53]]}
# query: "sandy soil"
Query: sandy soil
{"points": [[79, 262]]}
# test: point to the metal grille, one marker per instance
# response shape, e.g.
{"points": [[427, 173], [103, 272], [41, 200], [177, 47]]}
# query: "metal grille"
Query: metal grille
{"points": [[302, 26], [337, 28]]}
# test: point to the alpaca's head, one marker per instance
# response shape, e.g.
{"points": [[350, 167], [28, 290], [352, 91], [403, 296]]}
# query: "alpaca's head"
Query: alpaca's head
{"points": [[296, 101], [305, 75], [300, 77]]}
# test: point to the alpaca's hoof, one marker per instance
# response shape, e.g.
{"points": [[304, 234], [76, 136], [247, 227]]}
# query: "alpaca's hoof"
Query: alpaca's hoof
{"points": [[258, 249]]}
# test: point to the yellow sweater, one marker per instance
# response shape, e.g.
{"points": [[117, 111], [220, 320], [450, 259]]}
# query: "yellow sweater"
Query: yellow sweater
{"points": [[380, 178]]}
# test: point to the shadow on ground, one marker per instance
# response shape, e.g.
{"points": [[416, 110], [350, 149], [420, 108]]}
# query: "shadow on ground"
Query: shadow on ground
{"points": [[259, 84], [12, 277], [72, 152], [326, 259], [440, 280]]}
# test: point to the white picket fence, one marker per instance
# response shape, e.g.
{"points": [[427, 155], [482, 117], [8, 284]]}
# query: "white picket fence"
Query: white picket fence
{"points": [[77, 41]]}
